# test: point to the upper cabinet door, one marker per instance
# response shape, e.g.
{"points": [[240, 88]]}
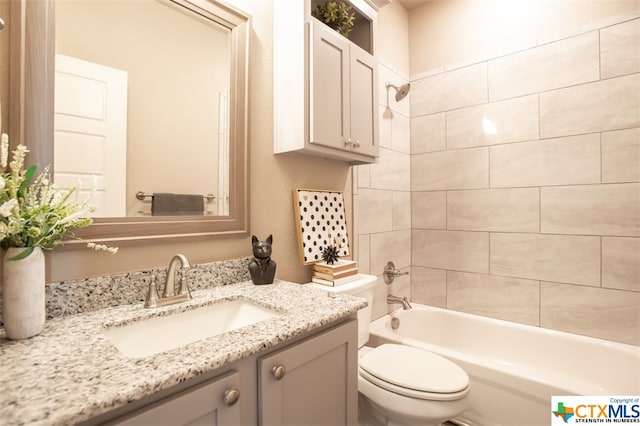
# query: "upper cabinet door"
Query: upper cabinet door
{"points": [[364, 102], [343, 99], [329, 88]]}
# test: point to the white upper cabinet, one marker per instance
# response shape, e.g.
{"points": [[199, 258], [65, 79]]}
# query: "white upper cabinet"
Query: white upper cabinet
{"points": [[342, 94], [325, 89]]}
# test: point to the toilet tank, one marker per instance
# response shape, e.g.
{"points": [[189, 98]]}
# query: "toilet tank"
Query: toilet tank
{"points": [[361, 287]]}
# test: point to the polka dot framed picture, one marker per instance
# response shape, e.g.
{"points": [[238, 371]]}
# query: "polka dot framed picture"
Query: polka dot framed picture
{"points": [[321, 222]]}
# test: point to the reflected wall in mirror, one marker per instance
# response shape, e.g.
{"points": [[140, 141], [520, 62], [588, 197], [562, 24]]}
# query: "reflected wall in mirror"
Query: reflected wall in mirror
{"points": [[157, 121], [141, 104]]}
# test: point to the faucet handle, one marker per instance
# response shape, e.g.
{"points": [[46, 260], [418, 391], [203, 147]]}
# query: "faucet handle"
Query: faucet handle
{"points": [[152, 293], [390, 273], [184, 286]]}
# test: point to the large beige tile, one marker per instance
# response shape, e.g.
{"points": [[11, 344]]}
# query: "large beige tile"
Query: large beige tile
{"points": [[450, 90], [385, 122], [401, 133], [621, 156], [362, 253], [621, 263], [380, 202], [429, 210], [429, 286], [362, 175], [561, 258], [390, 246], [506, 210], [428, 133], [611, 209], [551, 66], [391, 171], [401, 210], [560, 161], [512, 120], [505, 298], [458, 169], [620, 49], [380, 306], [601, 106], [596, 312], [457, 250]]}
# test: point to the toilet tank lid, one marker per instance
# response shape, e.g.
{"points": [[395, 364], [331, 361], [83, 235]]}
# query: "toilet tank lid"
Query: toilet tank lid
{"points": [[364, 282]]}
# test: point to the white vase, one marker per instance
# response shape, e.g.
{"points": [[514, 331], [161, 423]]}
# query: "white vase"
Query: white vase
{"points": [[23, 294]]}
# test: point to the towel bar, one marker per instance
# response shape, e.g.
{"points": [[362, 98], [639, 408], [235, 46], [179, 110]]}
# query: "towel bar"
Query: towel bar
{"points": [[141, 196]]}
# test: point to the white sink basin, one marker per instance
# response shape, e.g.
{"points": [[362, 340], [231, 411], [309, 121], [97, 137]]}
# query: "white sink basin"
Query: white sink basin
{"points": [[158, 334]]}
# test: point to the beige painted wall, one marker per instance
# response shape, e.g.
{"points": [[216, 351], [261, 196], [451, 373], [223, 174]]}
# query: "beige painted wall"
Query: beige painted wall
{"points": [[446, 32], [271, 180], [392, 37]]}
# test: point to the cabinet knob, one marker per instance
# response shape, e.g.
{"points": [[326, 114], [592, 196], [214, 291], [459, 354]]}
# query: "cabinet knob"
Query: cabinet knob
{"points": [[231, 396], [356, 143], [348, 141], [278, 371]]}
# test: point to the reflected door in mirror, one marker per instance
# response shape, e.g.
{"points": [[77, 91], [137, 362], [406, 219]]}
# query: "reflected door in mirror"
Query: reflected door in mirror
{"points": [[90, 132]]}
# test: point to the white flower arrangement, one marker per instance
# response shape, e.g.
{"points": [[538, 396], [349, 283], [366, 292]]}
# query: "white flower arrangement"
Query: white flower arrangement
{"points": [[37, 214]]}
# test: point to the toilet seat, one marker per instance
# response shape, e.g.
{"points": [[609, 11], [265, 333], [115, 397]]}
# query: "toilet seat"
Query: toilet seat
{"points": [[414, 373]]}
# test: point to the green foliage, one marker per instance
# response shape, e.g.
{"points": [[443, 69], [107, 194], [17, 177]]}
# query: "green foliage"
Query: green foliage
{"points": [[33, 212], [336, 14]]}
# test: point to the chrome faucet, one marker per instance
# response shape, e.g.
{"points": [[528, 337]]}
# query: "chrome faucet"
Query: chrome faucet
{"points": [[402, 300], [169, 295]]}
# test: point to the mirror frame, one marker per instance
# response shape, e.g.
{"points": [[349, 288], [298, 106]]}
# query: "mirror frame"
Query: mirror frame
{"points": [[31, 117]]}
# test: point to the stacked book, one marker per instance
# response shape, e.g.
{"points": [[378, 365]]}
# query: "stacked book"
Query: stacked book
{"points": [[338, 273]]}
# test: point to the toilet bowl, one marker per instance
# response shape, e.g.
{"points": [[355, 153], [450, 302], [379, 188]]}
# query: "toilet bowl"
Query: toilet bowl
{"points": [[402, 385], [409, 386]]}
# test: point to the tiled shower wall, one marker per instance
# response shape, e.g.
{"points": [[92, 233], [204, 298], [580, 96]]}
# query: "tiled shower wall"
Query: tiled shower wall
{"points": [[382, 195], [525, 185]]}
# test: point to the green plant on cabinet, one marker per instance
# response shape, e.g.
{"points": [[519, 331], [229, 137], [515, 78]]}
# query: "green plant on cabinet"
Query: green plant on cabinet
{"points": [[336, 14]]}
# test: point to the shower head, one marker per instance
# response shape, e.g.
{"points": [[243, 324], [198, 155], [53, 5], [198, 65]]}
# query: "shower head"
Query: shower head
{"points": [[401, 91]]}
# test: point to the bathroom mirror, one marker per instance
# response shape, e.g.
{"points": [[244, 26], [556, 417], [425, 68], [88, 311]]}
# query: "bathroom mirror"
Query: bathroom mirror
{"points": [[32, 62]]}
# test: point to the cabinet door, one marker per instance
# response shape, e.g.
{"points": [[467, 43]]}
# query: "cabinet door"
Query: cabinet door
{"points": [[313, 382], [212, 403], [364, 101], [329, 119]]}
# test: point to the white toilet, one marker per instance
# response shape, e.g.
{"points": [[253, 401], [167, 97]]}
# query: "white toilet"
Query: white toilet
{"points": [[402, 385]]}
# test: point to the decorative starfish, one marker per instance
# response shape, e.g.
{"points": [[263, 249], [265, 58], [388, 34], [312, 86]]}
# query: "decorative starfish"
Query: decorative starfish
{"points": [[330, 254]]}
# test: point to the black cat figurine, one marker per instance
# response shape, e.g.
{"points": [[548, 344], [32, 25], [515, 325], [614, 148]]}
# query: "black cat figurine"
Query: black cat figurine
{"points": [[261, 267]]}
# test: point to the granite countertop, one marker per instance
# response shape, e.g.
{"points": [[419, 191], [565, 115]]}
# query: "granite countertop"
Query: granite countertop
{"points": [[71, 372]]}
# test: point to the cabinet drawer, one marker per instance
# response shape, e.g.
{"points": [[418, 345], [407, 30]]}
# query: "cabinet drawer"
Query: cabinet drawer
{"points": [[211, 403]]}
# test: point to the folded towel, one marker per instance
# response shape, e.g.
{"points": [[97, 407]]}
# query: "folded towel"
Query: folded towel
{"points": [[166, 204]]}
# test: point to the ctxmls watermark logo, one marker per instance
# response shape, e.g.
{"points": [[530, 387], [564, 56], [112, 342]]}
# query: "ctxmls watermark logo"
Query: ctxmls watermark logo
{"points": [[595, 409]]}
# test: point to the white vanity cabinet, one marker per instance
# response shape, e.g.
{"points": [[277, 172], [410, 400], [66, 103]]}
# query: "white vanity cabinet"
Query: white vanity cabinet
{"points": [[312, 380], [342, 94], [325, 85]]}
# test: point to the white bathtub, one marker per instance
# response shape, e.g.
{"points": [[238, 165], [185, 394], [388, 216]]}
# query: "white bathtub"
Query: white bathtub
{"points": [[515, 368]]}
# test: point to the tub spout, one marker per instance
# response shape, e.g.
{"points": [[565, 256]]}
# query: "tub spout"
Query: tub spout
{"points": [[402, 300]]}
